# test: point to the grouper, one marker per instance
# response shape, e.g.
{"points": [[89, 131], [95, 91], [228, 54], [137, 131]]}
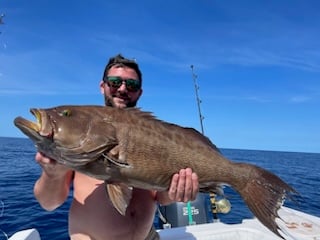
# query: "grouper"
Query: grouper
{"points": [[131, 148]]}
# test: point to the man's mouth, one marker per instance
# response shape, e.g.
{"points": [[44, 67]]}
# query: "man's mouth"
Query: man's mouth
{"points": [[123, 98]]}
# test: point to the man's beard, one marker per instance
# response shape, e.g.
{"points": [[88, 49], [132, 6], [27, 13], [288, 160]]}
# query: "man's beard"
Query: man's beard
{"points": [[109, 102]]}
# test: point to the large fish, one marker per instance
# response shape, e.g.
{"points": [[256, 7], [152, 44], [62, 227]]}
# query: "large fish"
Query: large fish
{"points": [[131, 148]]}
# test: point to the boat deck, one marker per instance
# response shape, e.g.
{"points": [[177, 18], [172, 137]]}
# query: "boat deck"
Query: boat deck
{"points": [[297, 225]]}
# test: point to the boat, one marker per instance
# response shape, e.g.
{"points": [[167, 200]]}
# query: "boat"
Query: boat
{"points": [[27, 234], [295, 225]]}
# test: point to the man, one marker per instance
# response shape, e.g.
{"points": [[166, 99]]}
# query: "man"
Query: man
{"points": [[92, 215]]}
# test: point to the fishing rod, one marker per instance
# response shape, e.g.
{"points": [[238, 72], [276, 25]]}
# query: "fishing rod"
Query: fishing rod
{"points": [[201, 117], [196, 87], [222, 205]]}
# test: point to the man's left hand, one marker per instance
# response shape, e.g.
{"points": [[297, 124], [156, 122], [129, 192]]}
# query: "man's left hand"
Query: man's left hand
{"points": [[184, 186]]}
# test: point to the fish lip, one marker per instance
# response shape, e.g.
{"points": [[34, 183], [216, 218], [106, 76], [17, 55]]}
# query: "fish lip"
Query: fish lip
{"points": [[39, 127], [21, 122]]}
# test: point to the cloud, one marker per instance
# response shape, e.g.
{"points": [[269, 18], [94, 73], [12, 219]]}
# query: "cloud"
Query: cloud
{"points": [[300, 99], [40, 92]]}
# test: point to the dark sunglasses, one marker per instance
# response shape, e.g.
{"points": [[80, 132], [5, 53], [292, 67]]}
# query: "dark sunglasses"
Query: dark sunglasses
{"points": [[132, 85]]}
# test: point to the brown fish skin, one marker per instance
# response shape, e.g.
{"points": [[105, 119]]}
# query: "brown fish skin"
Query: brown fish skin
{"points": [[130, 148]]}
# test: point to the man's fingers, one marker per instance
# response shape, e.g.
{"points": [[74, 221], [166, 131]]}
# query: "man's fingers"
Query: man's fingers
{"points": [[184, 186], [181, 185], [173, 187], [188, 185], [195, 186]]}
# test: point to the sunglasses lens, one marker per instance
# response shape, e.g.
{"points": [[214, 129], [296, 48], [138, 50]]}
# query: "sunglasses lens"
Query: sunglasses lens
{"points": [[132, 85], [114, 82]]}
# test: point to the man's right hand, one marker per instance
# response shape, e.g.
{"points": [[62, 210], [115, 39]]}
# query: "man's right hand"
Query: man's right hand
{"points": [[52, 188], [51, 167]]}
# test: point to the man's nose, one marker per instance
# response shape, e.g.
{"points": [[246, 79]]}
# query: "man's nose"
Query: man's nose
{"points": [[122, 87]]}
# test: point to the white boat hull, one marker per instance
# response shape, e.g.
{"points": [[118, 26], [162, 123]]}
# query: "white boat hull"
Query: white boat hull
{"points": [[295, 225], [28, 234]]}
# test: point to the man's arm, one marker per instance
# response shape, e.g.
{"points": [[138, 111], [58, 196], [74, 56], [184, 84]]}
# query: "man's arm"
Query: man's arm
{"points": [[184, 187], [52, 188]]}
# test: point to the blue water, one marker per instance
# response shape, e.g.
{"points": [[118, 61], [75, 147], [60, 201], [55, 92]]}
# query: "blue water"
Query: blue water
{"points": [[18, 173]]}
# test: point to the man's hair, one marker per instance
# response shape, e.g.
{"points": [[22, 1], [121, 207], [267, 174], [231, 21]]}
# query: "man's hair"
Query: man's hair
{"points": [[120, 61]]}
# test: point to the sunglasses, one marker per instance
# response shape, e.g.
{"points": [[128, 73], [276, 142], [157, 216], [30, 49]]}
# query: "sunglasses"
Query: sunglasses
{"points": [[132, 85]]}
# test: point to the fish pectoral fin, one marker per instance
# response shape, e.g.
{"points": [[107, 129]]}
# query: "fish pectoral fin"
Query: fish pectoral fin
{"points": [[113, 156], [120, 196]]}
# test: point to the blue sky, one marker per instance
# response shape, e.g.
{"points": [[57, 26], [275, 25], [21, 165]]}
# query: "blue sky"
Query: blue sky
{"points": [[257, 62]]}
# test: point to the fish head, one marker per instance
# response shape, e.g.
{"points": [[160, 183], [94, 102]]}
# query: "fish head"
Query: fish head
{"points": [[72, 135], [56, 125]]}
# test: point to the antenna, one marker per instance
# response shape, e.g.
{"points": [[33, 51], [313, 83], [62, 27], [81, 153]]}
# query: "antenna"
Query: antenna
{"points": [[196, 87]]}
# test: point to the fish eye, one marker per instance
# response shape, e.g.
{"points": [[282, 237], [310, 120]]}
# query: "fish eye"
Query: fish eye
{"points": [[65, 113]]}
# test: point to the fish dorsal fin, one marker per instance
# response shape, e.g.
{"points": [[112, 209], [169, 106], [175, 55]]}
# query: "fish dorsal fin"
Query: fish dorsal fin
{"points": [[120, 196], [190, 131], [140, 113], [201, 137]]}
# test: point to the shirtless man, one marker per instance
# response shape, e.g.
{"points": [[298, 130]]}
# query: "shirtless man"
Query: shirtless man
{"points": [[91, 215]]}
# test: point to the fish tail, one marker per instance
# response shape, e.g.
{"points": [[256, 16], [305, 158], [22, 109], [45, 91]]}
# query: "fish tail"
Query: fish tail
{"points": [[264, 193]]}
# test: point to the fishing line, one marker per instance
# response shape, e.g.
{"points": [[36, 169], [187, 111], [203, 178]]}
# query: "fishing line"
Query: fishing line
{"points": [[1, 214]]}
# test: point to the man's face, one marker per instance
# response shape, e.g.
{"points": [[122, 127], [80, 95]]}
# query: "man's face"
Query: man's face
{"points": [[120, 96]]}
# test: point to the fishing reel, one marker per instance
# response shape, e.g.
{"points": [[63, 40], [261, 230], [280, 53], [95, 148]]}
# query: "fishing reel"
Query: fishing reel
{"points": [[219, 206]]}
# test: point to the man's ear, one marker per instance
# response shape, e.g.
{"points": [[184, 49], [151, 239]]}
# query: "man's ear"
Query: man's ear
{"points": [[101, 86]]}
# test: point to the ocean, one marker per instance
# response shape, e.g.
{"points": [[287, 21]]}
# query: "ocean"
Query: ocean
{"points": [[18, 172]]}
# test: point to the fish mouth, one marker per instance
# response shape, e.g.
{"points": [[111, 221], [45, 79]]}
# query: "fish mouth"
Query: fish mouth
{"points": [[35, 129]]}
